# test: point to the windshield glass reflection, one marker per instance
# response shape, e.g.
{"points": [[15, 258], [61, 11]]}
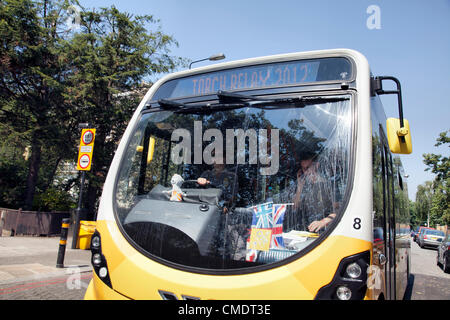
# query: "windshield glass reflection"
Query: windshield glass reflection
{"points": [[234, 189]]}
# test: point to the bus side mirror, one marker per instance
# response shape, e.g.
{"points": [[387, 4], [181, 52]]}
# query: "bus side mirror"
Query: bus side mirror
{"points": [[399, 138], [399, 135]]}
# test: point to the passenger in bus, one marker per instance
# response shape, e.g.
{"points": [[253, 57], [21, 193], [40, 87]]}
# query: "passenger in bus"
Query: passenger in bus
{"points": [[314, 208]]}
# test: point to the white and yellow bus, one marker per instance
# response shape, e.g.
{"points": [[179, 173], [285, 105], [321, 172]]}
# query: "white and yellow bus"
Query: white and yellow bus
{"points": [[266, 178]]}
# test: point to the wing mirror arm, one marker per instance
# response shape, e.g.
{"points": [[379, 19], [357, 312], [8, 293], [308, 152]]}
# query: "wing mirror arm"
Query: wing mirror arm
{"points": [[400, 138], [377, 87]]}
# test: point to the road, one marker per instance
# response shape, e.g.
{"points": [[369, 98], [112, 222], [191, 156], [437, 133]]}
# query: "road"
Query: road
{"points": [[28, 270], [66, 287], [428, 281]]}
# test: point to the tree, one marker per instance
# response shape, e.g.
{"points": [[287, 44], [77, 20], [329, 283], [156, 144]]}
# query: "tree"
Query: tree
{"points": [[440, 166], [13, 168], [52, 78], [32, 79], [423, 202], [412, 213], [111, 54]]}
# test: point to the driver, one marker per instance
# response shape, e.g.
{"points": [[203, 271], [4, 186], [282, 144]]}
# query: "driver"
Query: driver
{"points": [[220, 177], [226, 180]]}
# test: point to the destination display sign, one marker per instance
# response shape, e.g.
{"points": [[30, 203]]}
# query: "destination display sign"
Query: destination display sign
{"points": [[259, 76]]}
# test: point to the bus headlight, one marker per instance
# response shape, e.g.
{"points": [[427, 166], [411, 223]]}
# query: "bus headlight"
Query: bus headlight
{"points": [[95, 242], [353, 270], [343, 293], [98, 259], [103, 272], [349, 281]]}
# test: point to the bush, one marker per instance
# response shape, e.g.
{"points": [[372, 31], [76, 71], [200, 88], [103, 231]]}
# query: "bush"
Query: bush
{"points": [[54, 200], [12, 183]]}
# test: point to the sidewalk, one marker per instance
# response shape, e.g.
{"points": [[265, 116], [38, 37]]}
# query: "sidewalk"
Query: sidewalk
{"points": [[30, 258]]}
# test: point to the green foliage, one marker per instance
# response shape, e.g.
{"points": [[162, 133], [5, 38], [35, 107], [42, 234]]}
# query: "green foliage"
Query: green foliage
{"points": [[412, 213], [32, 79], [10, 191], [110, 57], [434, 197], [13, 167], [439, 211], [53, 200], [423, 202], [438, 164], [52, 78]]}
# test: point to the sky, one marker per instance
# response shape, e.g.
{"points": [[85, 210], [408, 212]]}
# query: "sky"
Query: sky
{"points": [[408, 39]]}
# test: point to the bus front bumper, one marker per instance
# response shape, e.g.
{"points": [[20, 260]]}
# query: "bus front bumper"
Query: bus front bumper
{"points": [[98, 290]]}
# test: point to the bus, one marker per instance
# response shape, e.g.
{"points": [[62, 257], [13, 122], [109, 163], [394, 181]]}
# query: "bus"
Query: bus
{"points": [[265, 178]]}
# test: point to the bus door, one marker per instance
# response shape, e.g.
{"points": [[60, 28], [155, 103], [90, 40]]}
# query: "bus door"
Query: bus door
{"points": [[389, 221]]}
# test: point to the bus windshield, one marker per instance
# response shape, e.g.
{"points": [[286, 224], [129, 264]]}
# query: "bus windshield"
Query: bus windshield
{"points": [[234, 188]]}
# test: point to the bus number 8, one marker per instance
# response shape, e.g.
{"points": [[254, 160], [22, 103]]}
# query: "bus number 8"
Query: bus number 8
{"points": [[357, 224]]}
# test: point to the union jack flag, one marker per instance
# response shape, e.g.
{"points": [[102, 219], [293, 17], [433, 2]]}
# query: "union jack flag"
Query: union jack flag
{"points": [[268, 216], [277, 226], [251, 255], [262, 219], [262, 216]]}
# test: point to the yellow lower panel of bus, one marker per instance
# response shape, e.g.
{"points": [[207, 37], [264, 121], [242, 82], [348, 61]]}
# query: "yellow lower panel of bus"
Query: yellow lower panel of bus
{"points": [[97, 290], [138, 277]]}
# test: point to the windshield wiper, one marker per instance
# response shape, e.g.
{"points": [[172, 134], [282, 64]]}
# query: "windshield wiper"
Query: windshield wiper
{"points": [[170, 105], [225, 96], [230, 100]]}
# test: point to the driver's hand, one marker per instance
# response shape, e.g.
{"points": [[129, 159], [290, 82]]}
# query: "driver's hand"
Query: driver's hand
{"points": [[315, 226], [202, 181]]}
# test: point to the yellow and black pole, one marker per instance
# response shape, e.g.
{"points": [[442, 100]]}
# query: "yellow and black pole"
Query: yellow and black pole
{"points": [[63, 243]]}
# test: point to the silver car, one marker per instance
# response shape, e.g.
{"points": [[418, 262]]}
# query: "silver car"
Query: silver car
{"points": [[431, 238]]}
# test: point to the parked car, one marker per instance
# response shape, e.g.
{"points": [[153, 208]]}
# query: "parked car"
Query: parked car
{"points": [[431, 238], [416, 235], [443, 255]]}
